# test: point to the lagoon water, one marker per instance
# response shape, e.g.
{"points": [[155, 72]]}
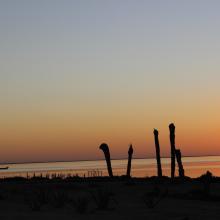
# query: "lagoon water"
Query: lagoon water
{"points": [[194, 167]]}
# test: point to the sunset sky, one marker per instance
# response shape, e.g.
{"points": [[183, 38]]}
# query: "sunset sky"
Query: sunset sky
{"points": [[76, 73]]}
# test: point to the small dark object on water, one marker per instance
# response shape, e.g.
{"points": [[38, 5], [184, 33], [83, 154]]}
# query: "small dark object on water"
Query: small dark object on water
{"points": [[4, 168]]}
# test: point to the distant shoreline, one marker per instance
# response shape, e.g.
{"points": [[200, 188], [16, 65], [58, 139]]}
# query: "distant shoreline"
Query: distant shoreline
{"points": [[113, 159]]}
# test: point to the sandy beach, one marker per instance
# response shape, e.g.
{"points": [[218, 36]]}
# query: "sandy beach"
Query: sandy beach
{"points": [[101, 198]]}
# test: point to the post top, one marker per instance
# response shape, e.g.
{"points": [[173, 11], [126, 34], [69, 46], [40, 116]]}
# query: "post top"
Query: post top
{"points": [[103, 146], [156, 132], [172, 127]]}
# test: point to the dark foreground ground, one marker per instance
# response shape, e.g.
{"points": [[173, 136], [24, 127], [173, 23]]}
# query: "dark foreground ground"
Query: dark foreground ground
{"points": [[101, 198]]}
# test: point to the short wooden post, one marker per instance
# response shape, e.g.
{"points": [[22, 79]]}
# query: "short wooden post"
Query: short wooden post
{"points": [[180, 164], [130, 153]]}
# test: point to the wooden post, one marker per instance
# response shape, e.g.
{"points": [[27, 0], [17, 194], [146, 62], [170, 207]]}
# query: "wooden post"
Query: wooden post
{"points": [[105, 149], [157, 145], [130, 153], [172, 144], [179, 161]]}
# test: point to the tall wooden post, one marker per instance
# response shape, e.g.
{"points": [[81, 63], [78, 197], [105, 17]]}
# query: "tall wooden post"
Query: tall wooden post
{"points": [[130, 153], [179, 161], [105, 149], [172, 144], [157, 146]]}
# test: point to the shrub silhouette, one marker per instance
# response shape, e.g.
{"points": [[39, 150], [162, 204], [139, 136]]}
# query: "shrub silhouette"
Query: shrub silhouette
{"points": [[153, 198], [81, 204], [103, 198], [59, 199], [206, 180], [36, 198]]}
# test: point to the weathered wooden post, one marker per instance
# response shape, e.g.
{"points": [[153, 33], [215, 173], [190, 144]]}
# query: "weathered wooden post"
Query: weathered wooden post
{"points": [[157, 145], [130, 153], [172, 143], [105, 149], [179, 161]]}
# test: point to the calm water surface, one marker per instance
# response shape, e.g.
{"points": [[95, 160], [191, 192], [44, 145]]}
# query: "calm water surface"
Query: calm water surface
{"points": [[194, 166]]}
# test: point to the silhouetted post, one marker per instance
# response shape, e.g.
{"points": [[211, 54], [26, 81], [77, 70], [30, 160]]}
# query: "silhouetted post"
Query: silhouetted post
{"points": [[179, 161], [130, 153], [157, 145], [105, 149], [172, 143]]}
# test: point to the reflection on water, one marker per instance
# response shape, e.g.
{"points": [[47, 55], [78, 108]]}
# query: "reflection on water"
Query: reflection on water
{"points": [[194, 166]]}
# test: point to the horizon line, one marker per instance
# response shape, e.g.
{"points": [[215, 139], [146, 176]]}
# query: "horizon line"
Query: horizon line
{"points": [[123, 158]]}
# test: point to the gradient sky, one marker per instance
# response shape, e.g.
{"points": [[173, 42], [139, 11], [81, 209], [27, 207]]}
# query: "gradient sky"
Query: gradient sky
{"points": [[76, 73]]}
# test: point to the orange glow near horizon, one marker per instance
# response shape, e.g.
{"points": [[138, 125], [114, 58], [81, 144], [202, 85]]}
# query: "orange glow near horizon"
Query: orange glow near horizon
{"points": [[68, 137]]}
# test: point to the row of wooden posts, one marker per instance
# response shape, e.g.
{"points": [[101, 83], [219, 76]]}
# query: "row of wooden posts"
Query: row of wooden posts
{"points": [[175, 154]]}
